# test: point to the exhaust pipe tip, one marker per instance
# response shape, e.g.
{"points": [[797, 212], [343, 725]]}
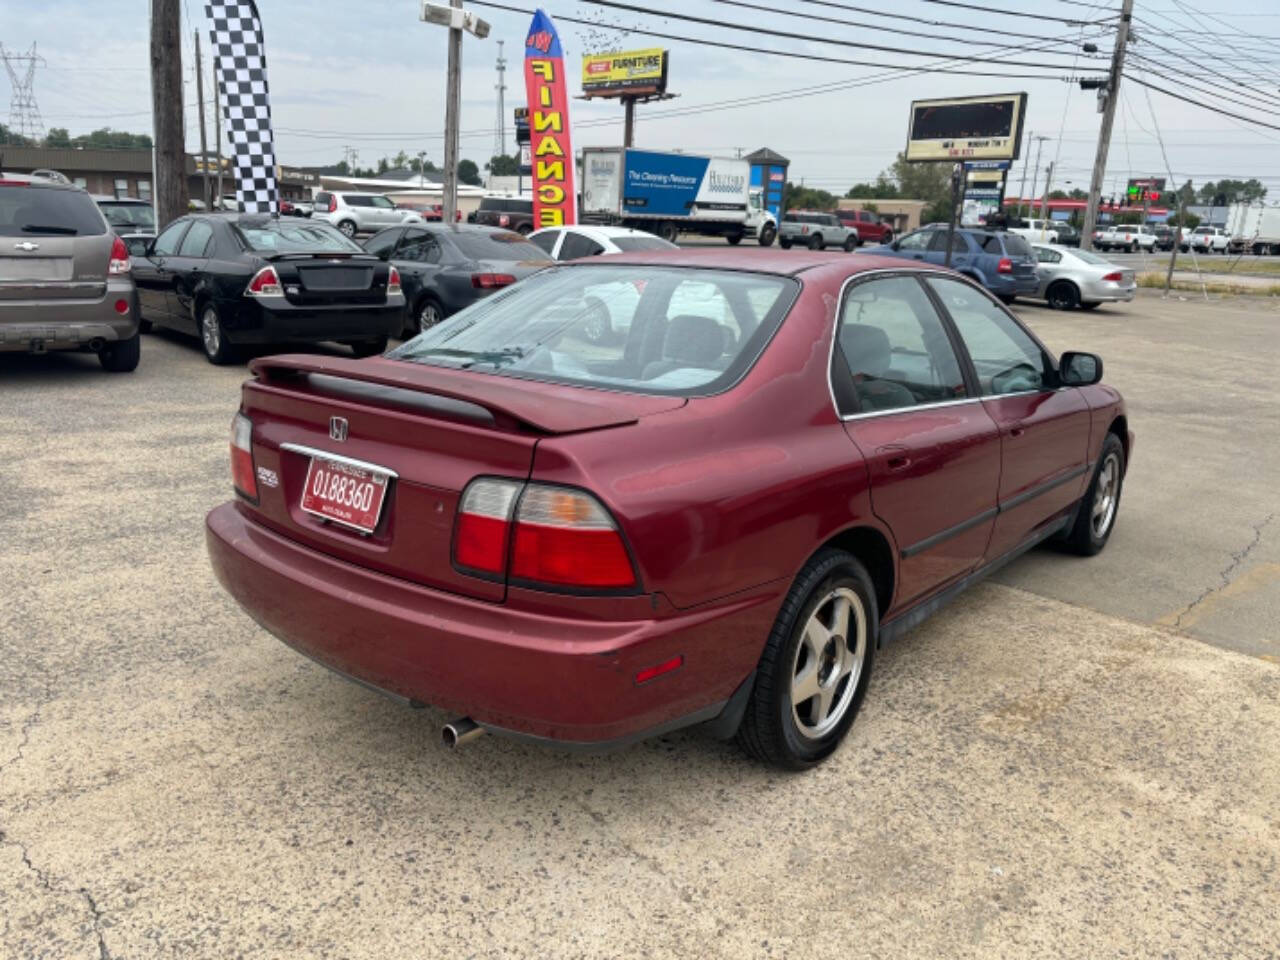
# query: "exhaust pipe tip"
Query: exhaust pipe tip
{"points": [[459, 731], [97, 343]]}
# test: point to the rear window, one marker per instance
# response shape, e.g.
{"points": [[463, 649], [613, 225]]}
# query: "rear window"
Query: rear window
{"points": [[279, 236], [674, 331], [629, 244], [499, 245], [48, 212], [1016, 246], [135, 216]]}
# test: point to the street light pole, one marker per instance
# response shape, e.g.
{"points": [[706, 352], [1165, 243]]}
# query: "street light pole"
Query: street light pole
{"points": [[453, 17]]}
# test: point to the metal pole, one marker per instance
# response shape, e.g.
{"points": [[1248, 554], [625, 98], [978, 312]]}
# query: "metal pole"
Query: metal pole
{"points": [[217, 131], [629, 121], [1022, 190], [204, 143], [451, 109], [1035, 170], [957, 176], [1044, 203], [1108, 120]]}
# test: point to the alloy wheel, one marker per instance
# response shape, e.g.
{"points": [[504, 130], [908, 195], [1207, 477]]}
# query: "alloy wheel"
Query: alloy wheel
{"points": [[828, 662], [210, 331], [1105, 496], [428, 316]]}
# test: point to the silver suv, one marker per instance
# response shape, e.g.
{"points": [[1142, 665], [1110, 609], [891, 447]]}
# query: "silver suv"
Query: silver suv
{"points": [[65, 281], [353, 212], [816, 230]]}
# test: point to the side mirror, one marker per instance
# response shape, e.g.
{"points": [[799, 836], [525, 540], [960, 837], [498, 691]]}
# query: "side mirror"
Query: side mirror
{"points": [[1079, 369]]}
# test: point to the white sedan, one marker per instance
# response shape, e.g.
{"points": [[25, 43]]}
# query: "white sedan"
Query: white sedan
{"points": [[609, 306]]}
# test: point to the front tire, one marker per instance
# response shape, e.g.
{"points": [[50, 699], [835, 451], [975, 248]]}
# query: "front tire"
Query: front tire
{"points": [[816, 664], [816, 242], [213, 339], [121, 356], [767, 235], [1062, 295], [1096, 517]]}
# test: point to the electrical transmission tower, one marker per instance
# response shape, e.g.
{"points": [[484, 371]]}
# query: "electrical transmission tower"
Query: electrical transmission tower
{"points": [[24, 115], [500, 129]]}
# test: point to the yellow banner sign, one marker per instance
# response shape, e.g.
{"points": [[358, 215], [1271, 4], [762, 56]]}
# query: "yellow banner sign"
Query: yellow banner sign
{"points": [[635, 71]]}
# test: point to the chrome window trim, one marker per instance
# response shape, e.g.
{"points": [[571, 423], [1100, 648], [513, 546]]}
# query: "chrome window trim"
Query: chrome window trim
{"points": [[907, 271], [339, 458]]}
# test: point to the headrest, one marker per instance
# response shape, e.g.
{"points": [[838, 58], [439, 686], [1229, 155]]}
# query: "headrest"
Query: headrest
{"points": [[698, 341], [866, 348]]}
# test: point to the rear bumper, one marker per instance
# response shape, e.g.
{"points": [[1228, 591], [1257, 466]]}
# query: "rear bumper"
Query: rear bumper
{"points": [[1108, 292], [568, 680], [254, 323], [67, 324]]}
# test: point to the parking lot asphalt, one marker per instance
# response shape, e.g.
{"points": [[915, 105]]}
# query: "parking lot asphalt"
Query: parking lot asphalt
{"points": [[1078, 759]]}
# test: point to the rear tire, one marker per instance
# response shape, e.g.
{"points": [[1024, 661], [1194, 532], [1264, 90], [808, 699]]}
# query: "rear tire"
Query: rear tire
{"points": [[426, 315], [1062, 295], [213, 339], [734, 239], [888, 237], [850, 244], [824, 641], [348, 229], [121, 356], [669, 232], [784, 243], [1096, 517], [144, 326], [524, 229]]}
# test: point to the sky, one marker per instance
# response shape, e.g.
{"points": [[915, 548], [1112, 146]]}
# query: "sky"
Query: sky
{"points": [[368, 74]]}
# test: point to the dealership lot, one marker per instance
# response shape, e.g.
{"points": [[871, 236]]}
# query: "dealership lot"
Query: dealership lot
{"points": [[1077, 758]]}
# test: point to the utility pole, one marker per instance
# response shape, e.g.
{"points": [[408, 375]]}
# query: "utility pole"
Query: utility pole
{"points": [[217, 129], [500, 131], [1035, 169], [1044, 202], [170, 193], [204, 144], [456, 20], [1112, 94]]}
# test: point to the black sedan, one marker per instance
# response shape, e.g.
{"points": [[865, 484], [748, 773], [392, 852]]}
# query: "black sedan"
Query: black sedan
{"points": [[445, 267], [235, 279]]}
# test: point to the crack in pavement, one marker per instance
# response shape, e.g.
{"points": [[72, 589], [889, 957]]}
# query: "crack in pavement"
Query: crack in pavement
{"points": [[42, 876], [1237, 558]]}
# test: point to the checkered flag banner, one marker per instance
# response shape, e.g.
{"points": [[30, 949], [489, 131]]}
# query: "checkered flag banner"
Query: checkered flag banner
{"points": [[238, 49]]}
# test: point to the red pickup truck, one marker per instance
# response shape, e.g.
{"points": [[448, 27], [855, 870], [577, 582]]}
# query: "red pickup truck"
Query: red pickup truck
{"points": [[868, 225]]}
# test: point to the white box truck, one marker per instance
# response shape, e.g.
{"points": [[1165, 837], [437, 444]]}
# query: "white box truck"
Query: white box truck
{"points": [[1253, 228], [673, 193]]}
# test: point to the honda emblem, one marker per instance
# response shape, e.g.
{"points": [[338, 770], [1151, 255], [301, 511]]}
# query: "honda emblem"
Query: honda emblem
{"points": [[338, 428]]}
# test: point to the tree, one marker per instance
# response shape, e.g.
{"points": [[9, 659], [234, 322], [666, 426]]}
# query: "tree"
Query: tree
{"points": [[1232, 191], [796, 197], [422, 166], [401, 159], [882, 189], [469, 173], [503, 166], [9, 138], [57, 137]]}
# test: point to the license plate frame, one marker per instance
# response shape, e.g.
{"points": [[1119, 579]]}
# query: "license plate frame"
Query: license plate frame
{"points": [[361, 514]]}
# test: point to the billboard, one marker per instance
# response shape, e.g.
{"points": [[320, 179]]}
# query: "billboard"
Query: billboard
{"points": [[555, 201], [1146, 189], [619, 74], [966, 128]]}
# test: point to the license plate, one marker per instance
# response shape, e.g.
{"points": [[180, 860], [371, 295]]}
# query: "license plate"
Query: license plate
{"points": [[345, 494]]}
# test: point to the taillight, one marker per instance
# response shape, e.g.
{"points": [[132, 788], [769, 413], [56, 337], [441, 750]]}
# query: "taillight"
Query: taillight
{"points": [[393, 281], [804, 230], [119, 262], [1004, 266], [1115, 277], [491, 281], [265, 283], [550, 536], [565, 538], [333, 205], [242, 475], [504, 220]]}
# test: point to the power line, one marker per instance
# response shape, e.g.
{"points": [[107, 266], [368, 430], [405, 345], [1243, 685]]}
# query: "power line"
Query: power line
{"points": [[809, 38], [791, 54], [983, 8], [870, 26], [1147, 65], [927, 21], [1198, 103]]}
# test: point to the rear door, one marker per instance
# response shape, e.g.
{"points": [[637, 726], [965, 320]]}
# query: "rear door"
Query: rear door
{"points": [[1044, 429], [932, 450], [188, 267], [153, 274]]}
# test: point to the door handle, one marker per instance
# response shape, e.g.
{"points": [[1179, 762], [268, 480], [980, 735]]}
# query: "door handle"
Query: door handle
{"points": [[897, 457], [1016, 432], [898, 463]]}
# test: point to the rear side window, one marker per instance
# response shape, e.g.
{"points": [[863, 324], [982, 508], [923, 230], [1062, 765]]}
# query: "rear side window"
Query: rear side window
{"points": [[1016, 246], [490, 203], [355, 200], [629, 244], [546, 241], [46, 212], [498, 245], [895, 347], [322, 200], [576, 246]]}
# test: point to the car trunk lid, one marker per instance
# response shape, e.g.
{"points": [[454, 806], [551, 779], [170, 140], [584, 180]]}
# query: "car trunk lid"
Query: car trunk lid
{"points": [[330, 278], [435, 429], [54, 267]]}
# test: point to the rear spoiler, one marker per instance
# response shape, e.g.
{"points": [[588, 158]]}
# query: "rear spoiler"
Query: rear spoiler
{"points": [[541, 407]]}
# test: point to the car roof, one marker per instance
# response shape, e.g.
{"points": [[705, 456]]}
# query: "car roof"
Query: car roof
{"points": [[104, 198], [787, 263], [26, 178]]}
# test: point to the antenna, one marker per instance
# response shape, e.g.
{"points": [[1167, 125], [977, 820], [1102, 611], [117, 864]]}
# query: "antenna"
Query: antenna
{"points": [[500, 129], [24, 114]]}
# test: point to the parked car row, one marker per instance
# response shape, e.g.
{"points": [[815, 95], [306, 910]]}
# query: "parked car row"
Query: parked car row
{"points": [[1002, 262]]}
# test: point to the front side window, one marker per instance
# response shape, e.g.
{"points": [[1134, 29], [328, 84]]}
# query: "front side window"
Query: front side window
{"points": [[166, 244], [382, 203], [939, 242], [676, 330], [895, 347], [1005, 356]]}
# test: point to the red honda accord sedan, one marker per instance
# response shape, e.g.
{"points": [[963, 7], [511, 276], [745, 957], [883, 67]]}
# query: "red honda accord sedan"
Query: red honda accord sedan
{"points": [[773, 465]]}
